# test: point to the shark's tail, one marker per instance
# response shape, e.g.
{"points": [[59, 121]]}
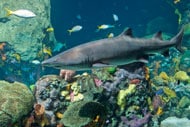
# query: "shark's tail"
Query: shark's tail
{"points": [[178, 39]]}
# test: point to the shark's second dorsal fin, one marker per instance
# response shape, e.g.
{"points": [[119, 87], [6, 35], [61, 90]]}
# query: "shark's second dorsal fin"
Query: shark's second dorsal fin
{"points": [[127, 32], [158, 35]]}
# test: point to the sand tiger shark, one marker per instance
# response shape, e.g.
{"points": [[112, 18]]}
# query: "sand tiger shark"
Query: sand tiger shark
{"points": [[116, 51]]}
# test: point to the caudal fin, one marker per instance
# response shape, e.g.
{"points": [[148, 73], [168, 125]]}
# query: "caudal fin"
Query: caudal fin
{"points": [[70, 31], [178, 39], [9, 12]]}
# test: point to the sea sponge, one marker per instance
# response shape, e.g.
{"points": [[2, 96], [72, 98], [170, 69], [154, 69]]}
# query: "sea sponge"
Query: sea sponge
{"points": [[121, 101], [169, 92], [75, 88], [59, 115], [181, 75], [164, 75], [64, 93], [78, 97]]}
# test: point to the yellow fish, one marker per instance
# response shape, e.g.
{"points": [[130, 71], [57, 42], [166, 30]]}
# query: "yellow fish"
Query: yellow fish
{"points": [[110, 35], [159, 111], [17, 56], [176, 1], [50, 29], [105, 26], [47, 50]]}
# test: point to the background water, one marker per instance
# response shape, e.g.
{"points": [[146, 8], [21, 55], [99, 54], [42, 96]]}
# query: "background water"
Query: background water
{"points": [[143, 16], [132, 13]]}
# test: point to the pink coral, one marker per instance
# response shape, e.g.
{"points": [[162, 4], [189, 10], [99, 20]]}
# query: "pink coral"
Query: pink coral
{"points": [[72, 96], [98, 82], [67, 74]]}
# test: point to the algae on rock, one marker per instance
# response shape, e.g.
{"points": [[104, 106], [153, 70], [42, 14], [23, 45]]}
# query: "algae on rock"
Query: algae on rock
{"points": [[26, 35], [80, 113], [15, 102]]}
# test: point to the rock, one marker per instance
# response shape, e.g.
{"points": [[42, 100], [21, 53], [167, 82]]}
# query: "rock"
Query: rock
{"points": [[175, 122], [48, 90], [81, 113], [15, 102], [29, 33]]}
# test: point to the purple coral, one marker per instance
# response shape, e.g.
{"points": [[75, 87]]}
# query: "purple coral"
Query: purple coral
{"points": [[157, 102], [135, 122]]}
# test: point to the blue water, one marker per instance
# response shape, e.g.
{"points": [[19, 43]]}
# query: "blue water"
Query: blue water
{"points": [[132, 13], [65, 14]]}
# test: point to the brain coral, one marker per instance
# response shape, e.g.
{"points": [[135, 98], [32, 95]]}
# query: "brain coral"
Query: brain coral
{"points": [[79, 114], [16, 100]]}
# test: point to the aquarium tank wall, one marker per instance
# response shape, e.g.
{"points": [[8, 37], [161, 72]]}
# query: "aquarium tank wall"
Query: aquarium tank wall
{"points": [[81, 63]]}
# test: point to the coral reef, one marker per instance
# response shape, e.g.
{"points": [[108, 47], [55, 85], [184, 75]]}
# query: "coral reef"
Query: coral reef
{"points": [[143, 95], [16, 101], [155, 94]]}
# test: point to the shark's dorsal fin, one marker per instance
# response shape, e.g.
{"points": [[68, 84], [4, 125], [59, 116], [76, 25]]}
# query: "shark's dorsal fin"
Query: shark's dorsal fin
{"points": [[158, 35], [127, 32]]}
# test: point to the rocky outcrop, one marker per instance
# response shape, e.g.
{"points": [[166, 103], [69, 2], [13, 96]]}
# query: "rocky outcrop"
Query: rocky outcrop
{"points": [[26, 35], [175, 122], [16, 100]]}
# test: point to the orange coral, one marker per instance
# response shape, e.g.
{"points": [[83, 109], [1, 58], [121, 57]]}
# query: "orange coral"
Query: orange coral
{"points": [[39, 109], [3, 57], [135, 81], [60, 125], [2, 46], [38, 116]]}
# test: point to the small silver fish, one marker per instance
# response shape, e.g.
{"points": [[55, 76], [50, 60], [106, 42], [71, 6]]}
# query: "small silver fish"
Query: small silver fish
{"points": [[75, 29], [36, 62], [115, 17]]}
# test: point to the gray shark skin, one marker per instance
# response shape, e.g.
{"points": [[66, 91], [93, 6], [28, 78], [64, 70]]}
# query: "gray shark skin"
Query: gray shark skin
{"points": [[116, 51]]}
